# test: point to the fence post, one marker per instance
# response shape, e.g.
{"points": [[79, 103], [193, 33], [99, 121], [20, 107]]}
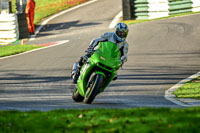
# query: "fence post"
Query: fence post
{"points": [[23, 27], [128, 11], [10, 7]]}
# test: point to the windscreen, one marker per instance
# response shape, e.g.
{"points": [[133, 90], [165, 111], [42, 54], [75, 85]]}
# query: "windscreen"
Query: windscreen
{"points": [[109, 50]]}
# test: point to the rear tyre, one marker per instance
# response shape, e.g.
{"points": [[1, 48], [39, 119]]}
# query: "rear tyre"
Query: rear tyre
{"points": [[76, 96], [93, 87]]}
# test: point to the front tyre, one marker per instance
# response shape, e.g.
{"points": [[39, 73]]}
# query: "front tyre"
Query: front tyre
{"points": [[93, 86]]}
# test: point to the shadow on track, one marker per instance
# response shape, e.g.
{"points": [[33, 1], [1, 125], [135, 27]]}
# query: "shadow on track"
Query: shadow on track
{"points": [[63, 26]]}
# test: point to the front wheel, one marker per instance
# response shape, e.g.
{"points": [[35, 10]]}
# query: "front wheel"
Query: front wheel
{"points": [[93, 86]]}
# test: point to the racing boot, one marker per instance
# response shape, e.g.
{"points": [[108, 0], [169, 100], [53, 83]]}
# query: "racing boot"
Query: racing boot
{"points": [[115, 77], [77, 67]]}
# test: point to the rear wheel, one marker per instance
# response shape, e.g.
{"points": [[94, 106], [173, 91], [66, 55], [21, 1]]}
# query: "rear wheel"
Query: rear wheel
{"points": [[93, 86], [76, 96]]}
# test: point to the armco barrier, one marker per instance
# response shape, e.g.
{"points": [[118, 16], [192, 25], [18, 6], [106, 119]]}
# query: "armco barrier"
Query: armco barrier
{"points": [[8, 28], [184, 6], [180, 7], [151, 9]]}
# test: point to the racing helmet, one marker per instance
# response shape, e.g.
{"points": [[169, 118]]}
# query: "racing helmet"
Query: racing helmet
{"points": [[121, 32]]}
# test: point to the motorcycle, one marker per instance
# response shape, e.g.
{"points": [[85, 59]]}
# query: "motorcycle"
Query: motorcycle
{"points": [[96, 73]]}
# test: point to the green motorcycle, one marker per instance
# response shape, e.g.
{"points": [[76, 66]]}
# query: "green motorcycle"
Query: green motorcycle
{"points": [[97, 72]]}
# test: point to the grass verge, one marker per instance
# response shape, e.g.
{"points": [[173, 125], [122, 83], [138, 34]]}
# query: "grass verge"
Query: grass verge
{"points": [[151, 120], [16, 49], [190, 89], [45, 8]]}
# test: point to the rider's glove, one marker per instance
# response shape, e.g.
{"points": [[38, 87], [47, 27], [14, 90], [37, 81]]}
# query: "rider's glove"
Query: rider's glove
{"points": [[123, 59], [89, 51], [85, 57]]}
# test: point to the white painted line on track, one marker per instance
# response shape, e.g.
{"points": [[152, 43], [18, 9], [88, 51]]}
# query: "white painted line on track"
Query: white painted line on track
{"points": [[56, 15], [115, 20], [171, 97], [58, 43]]}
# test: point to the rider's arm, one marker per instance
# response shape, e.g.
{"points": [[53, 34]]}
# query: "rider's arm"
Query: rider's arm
{"points": [[125, 51], [95, 42]]}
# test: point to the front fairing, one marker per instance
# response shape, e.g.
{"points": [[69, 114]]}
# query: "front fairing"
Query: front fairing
{"points": [[84, 75], [107, 55]]}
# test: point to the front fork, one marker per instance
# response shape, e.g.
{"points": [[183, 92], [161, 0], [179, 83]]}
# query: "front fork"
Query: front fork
{"points": [[75, 72]]}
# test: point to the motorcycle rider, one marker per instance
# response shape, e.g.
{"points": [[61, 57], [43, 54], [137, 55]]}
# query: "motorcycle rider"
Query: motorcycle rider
{"points": [[118, 37]]}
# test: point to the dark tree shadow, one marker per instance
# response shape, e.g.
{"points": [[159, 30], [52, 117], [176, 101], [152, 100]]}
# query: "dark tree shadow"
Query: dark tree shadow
{"points": [[63, 26]]}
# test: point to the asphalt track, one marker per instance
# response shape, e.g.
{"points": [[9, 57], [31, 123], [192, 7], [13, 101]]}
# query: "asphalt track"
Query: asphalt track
{"points": [[161, 53]]}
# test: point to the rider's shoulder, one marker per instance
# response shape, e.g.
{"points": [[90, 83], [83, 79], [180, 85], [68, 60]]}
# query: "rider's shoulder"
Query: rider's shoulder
{"points": [[107, 34]]}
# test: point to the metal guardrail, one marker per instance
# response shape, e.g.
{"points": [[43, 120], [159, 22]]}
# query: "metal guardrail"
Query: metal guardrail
{"points": [[151, 9], [12, 26], [8, 28], [141, 9], [180, 7]]}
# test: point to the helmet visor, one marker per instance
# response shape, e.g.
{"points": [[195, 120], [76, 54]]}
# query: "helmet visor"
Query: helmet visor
{"points": [[121, 34]]}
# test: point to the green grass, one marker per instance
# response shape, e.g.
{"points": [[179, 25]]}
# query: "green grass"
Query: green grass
{"points": [[140, 120], [16, 49], [190, 89], [45, 8], [13, 6]]}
